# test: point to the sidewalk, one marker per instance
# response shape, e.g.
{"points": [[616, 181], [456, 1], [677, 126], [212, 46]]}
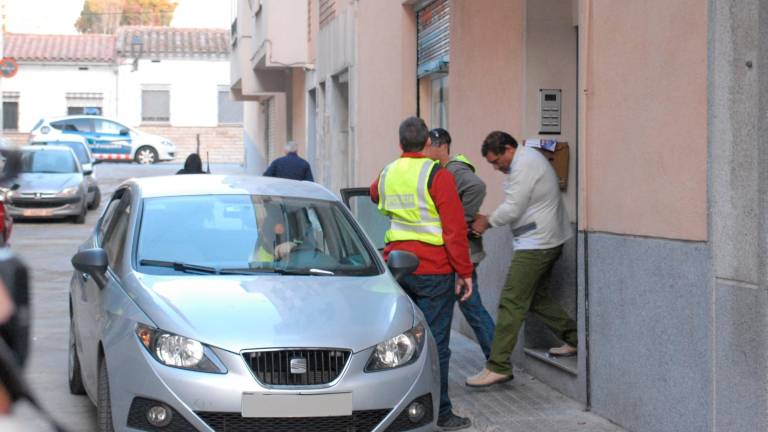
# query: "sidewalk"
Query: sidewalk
{"points": [[525, 404]]}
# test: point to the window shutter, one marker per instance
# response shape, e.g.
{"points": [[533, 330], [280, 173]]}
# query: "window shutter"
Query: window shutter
{"points": [[155, 105], [434, 45]]}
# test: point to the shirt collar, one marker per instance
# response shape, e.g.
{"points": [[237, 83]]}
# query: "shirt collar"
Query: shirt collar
{"points": [[417, 155]]}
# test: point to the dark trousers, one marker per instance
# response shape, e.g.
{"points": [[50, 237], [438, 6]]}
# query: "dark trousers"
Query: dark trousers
{"points": [[478, 318], [435, 296]]}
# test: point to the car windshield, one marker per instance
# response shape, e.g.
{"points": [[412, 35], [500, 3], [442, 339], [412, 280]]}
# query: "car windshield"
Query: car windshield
{"points": [[79, 149], [249, 234], [48, 161]]}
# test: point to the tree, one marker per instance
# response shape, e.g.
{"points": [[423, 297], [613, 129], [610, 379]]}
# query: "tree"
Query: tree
{"points": [[104, 16]]}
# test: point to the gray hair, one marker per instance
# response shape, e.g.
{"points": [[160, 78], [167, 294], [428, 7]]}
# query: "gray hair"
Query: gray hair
{"points": [[291, 147]]}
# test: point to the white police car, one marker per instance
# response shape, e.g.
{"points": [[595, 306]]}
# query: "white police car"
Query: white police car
{"points": [[107, 138]]}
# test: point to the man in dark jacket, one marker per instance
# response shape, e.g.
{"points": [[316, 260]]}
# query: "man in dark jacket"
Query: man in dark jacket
{"points": [[290, 166], [193, 165], [471, 191]]}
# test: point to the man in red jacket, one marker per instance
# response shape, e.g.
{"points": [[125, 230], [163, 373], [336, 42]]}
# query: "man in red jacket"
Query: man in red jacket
{"points": [[427, 219]]}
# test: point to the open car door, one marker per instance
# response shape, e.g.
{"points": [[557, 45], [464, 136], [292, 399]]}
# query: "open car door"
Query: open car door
{"points": [[367, 214]]}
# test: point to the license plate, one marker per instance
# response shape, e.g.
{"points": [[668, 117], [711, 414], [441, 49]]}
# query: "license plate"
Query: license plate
{"points": [[35, 212], [297, 405]]}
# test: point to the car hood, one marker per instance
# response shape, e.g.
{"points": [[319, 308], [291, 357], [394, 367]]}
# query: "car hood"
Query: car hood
{"points": [[236, 313], [46, 183]]}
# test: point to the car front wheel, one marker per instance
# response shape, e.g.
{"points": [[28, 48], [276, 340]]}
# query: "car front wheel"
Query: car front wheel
{"points": [[146, 155]]}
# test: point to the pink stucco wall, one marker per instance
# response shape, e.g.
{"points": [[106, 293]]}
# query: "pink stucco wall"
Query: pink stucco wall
{"points": [[386, 77], [644, 124], [486, 79]]}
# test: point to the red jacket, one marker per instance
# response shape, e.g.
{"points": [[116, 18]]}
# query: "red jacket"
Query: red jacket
{"points": [[453, 256]]}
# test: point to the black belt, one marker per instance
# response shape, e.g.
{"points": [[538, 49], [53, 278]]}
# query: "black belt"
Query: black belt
{"points": [[517, 232]]}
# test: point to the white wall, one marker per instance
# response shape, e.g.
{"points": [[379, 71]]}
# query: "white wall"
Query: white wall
{"points": [[42, 89], [194, 87]]}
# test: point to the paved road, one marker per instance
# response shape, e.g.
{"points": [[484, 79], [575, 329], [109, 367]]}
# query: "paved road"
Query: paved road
{"points": [[523, 405]]}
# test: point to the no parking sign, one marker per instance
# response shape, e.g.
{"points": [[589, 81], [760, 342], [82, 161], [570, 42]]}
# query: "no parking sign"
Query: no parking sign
{"points": [[8, 67]]}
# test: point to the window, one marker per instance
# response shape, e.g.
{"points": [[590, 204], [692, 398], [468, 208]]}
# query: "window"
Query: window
{"points": [[439, 102], [108, 127], [114, 240], [11, 111], [10, 116], [74, 125], [230, 111], [84, 110], [251, 234], [84, 103], [155, 105], [109, 212]]}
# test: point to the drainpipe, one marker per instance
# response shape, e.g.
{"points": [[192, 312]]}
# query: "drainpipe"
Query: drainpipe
{"points": [[587, 89]]}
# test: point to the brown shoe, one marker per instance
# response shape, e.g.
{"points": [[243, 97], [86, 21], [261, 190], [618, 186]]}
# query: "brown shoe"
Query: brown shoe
{"points": [[563, 351], [487, 378]]}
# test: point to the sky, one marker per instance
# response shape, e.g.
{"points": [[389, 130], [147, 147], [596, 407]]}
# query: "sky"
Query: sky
{"points": [[59, 16]]}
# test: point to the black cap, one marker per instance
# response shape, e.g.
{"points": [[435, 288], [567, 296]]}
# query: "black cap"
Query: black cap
{"points": [[440, 136]]}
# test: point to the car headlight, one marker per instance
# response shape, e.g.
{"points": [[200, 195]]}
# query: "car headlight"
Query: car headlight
{"points": [[178, 351], [69, 191], [166, 143], [401, 350]]}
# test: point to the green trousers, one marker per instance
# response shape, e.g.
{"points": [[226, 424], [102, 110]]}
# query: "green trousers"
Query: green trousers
{"points": [[521, 294]]}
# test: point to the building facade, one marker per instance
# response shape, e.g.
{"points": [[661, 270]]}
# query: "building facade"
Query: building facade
{"points": [[660, 103], [168, 81]]}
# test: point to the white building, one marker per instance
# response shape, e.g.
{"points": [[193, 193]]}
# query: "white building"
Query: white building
{"points": [[169, 81]]}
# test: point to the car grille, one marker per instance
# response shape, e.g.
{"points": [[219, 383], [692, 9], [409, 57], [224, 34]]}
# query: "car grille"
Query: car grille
{"points": [[273, 368], [359, 421], [42, 203]]}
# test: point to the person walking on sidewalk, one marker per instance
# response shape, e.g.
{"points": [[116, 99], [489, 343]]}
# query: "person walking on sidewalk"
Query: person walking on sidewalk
{"points": [[534, 209], [427, 220], [471, 191], [291, 166]]}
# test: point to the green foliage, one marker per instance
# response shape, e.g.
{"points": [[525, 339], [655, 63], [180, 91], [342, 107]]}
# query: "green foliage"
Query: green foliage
{"points": [[104, 16]]}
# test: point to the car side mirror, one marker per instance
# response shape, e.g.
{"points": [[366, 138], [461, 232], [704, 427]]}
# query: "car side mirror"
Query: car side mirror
{"points": [[97, 161], [402, 263], [87, 172], [124, 131], [15, 186], [92, 262]]}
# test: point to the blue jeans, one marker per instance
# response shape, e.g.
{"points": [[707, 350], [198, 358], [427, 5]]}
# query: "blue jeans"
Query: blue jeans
{"points": [[435, 296], [478, 318]]}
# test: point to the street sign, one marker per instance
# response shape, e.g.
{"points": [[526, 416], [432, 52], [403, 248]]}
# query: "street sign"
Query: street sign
{"points": [[8, 67]]}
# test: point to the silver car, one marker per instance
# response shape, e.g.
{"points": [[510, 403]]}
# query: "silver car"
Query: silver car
{"points": [[51, 184], [87, 161], [228, 303]]}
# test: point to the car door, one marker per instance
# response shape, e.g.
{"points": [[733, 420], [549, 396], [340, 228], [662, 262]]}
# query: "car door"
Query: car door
{"points": [[375, 224], [111, 233], [111, 140]]}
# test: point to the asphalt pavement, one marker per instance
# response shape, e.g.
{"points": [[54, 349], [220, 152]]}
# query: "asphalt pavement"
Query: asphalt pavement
{"points": [[525, 404]]}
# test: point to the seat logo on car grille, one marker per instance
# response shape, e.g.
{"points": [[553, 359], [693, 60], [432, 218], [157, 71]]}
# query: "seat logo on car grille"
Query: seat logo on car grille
{"points": [[298, 365]]}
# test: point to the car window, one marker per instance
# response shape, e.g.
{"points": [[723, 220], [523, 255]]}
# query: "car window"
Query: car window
{"points": [[366, 212], [78, 148], [106, 218], [48, 161], [108, 127], [256, 233], [114, 237], [73, 125]]}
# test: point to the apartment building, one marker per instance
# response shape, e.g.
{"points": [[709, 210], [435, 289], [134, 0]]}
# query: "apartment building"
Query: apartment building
{"points": [[659, 103]]}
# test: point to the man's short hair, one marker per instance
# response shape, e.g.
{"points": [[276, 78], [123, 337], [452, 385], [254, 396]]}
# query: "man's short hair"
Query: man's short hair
{"points": [[439, 137], [497, 142], [413, 134], [291, 147]]}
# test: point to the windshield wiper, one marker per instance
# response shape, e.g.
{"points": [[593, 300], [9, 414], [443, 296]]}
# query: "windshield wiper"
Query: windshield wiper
{"points": [[278, 270], [178, 266]]}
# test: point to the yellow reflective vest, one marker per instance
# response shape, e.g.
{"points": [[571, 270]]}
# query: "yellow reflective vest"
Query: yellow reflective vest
{"points": [[404, 197]]}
